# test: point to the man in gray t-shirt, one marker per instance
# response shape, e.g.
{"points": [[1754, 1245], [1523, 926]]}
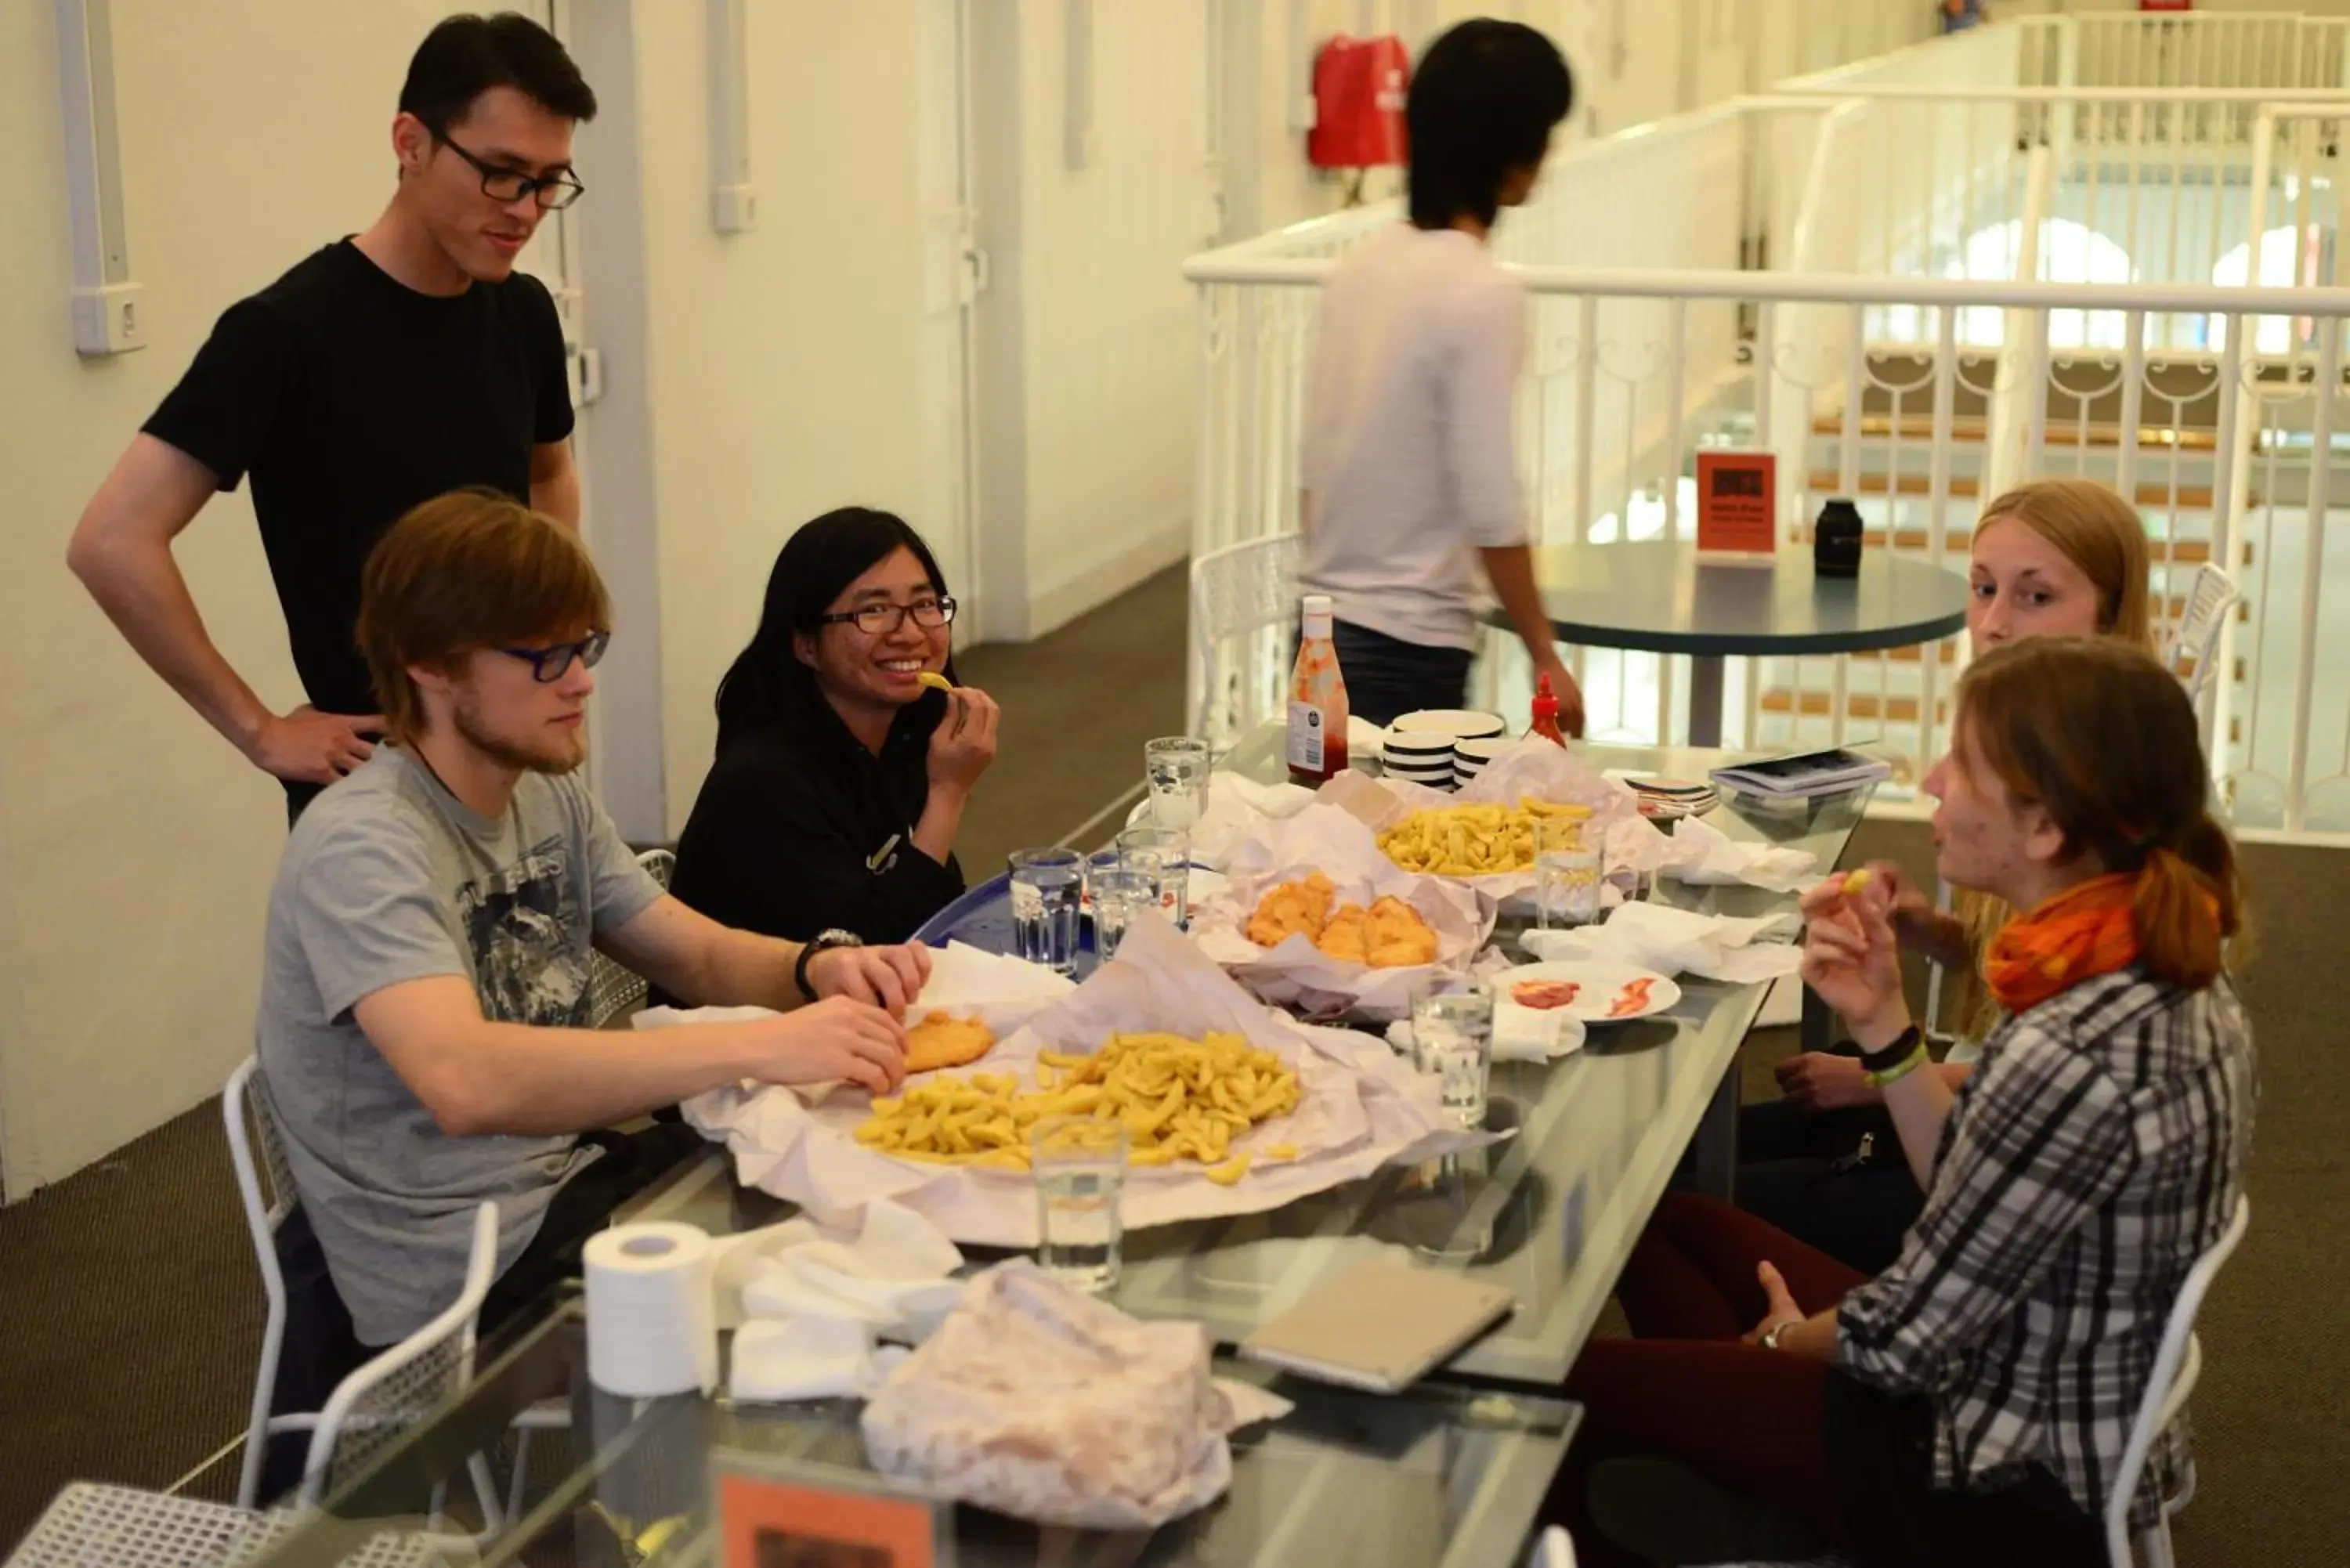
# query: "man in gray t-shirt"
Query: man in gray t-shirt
{"points": [[424, 1027]]}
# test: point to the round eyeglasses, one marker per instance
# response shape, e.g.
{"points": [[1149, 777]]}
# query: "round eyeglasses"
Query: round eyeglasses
{"points": [[547, 664], [880, 620]]}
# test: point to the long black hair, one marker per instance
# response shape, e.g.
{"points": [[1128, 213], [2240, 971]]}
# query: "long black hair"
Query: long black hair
{"points": [[766, 684], [1482, 101]]}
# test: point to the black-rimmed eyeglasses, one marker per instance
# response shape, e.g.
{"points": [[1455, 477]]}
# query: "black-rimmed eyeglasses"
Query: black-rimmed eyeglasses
{"points": [[548, 664], [880, 620], [506, 186]]}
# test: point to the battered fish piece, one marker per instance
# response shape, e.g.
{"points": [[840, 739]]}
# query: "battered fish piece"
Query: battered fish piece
{"points": [[1398, 938], [1294, 908], [940, 1041], [1348, 936]]}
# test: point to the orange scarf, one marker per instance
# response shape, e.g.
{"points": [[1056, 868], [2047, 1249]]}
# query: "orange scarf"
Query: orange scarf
{"points": [[2085, 931]]}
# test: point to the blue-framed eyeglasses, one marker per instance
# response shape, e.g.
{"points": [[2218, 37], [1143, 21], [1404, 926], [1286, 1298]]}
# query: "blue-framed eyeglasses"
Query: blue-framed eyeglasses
{"points": [[547, 664]]}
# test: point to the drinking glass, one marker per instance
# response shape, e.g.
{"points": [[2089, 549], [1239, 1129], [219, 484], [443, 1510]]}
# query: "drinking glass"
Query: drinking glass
{"points": [[1566, 876], [1176, 767], [1046, 885], [1080, 1167], [1452, 1039], [1118, 893], [1165, 856]]}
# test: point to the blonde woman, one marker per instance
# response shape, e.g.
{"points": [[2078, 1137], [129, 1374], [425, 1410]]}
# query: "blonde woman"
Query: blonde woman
{"points": [[2058, 557]]}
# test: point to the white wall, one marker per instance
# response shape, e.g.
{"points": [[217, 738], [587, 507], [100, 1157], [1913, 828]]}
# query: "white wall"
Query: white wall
{"points": [[136, 847]]}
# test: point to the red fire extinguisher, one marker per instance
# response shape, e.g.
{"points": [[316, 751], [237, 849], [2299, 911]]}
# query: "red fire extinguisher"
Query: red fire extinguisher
{"points": [[1358, 93]]}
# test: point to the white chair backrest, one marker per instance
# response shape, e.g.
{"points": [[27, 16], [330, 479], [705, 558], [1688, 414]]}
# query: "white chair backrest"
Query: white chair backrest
{"points": [[614, 990], [257, 1152], [375, 1406], [2176, 1364], [1554, 1550], [1238, 590], [2196, 637]]}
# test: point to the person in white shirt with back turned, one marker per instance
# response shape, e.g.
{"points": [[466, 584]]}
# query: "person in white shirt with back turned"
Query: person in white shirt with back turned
{"points": [[1409, 464]]}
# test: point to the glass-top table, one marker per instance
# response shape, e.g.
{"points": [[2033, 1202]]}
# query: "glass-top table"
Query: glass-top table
{"points": [[1435, 1476], [1551, 1212]]}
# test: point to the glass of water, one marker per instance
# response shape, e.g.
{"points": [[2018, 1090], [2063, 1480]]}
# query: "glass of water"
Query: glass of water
{"points": [[1176, 767], [1566, 876], [1080, 1167], [1165, 856], [1118, 893], [1046, 885], [1452, 1041]]}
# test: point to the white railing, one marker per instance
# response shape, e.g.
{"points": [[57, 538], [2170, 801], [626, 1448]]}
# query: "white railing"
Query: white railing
{"points": [[2255, 50], [1909, 433]]}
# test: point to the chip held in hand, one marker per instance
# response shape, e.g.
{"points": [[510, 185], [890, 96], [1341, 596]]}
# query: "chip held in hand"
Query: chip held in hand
{"points": [[1857, 881], [934, 681]]}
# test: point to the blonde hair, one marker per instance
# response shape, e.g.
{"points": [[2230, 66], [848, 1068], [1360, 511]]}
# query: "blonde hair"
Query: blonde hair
{"points": [[470, 569], [2100, 533]]}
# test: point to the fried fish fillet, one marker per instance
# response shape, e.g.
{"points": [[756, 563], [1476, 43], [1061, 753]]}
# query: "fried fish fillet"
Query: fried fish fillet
{"points": [[940, 1041], [1294, 908], [1347, 935], [1398, 938]]}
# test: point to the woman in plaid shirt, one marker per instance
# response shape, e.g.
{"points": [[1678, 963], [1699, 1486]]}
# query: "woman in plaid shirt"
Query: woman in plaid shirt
{"points": [[1970, 1404]]}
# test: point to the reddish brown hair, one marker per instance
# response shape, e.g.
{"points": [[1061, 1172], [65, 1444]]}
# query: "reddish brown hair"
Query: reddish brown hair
{"points": [[469, 570], [2104, 739]]}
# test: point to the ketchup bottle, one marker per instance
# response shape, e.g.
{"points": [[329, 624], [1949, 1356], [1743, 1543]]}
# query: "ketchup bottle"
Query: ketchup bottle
{"points": [[1317, 702], [1545, 722]]}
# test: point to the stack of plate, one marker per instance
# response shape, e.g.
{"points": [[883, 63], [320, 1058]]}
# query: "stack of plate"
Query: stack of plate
{"points": [[1418, 759], [1469, 758], [1419, 746]]}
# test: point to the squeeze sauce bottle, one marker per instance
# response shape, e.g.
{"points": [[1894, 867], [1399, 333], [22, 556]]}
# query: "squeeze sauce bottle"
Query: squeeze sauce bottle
{"points": [[1545, 722], [1317, 702]]}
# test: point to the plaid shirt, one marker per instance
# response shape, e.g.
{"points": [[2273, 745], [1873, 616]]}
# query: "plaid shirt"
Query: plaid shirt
{"points": [[2094, 1155]]}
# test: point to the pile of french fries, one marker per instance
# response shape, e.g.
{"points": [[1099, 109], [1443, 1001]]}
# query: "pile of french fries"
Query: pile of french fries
{"points": [[1474, 840], [1177, 1098]]}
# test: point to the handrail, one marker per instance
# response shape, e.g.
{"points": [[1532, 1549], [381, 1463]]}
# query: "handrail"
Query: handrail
{"points": [[1833, 288], [1948, 94]]}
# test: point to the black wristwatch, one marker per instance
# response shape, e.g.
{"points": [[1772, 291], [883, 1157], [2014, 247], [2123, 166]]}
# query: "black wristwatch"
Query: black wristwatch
{"points": [[823, 941], [1894, 1054]]}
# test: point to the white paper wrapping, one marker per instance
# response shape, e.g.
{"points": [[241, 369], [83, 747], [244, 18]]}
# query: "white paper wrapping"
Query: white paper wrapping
{"points": [[1042, 1403], [1297, 974], [1681, 942], [1360, 1108], [1703, 855]]}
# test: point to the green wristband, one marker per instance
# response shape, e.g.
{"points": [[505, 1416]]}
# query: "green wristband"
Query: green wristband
{"points": [[1909, 1064]]}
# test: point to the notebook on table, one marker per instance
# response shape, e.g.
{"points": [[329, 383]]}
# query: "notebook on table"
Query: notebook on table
{"points": [[1380, 1326], [1802, 775]]}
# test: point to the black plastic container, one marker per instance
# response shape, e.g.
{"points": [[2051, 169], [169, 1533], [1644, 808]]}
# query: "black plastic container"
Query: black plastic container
{"points": [[1835, 540]]}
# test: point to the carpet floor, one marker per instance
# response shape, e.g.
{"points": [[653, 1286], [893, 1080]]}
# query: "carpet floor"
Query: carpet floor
{"points": [[131, 1347]]}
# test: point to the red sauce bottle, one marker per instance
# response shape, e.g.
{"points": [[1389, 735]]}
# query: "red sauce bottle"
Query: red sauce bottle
{"points": [[1545, 722], [1317, 702]]}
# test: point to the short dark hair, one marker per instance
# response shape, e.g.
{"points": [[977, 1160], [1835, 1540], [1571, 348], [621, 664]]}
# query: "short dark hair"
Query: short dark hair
{"points": [[767, 685], [466, 56], [1483, 100]]}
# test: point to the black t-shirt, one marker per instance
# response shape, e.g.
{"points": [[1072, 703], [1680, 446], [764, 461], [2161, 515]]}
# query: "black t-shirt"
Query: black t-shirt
{"points": [[350, 398], [799, 829]]}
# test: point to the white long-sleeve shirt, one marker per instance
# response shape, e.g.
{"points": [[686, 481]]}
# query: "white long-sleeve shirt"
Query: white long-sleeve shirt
{"points": [[1408, 448]]}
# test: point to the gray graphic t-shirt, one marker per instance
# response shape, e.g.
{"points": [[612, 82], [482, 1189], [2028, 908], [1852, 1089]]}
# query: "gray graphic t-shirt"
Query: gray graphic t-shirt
{"points": [[389, 878]]}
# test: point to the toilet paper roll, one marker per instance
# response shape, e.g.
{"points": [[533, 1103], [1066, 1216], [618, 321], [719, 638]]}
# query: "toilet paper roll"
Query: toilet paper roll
{"points": [[652, 1325]]}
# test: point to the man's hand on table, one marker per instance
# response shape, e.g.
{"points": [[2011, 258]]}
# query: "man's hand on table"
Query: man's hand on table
{"points": [[889, 978], [828, 1041]]}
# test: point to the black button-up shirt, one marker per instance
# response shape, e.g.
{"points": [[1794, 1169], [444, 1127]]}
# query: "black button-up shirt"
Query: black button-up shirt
{"points": [[799, 829]]}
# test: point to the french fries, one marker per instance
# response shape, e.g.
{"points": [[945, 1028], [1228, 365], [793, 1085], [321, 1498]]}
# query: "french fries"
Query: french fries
{"points": [[1177, 1098], [1474, 840]]}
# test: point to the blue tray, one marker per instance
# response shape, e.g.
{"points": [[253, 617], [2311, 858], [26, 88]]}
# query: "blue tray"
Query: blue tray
{"points": [[982, 919]]}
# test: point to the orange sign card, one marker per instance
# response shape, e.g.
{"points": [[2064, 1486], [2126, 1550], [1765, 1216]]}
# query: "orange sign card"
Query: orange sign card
{"points": [[820, 1518], [1737, 503]]}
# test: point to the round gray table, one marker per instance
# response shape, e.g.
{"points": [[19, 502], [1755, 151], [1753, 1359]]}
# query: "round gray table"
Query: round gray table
{"points": [[1656, 596]]}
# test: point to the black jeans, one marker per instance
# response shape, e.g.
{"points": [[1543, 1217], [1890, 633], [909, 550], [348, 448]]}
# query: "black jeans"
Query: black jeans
{"points": [[320, 1349], [1387, 677], [1810, 1174]]}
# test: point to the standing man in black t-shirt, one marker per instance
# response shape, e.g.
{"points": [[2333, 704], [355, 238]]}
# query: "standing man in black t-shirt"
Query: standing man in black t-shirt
{"points": [[384, 370]]}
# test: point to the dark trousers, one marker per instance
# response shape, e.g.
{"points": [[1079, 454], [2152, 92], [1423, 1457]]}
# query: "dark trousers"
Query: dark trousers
{"points": [[319, 1348], [1850, 1463], [1386, 677], [1812, 1175]]}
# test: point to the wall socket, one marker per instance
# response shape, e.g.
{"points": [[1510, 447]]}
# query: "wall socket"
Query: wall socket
{"points": [[112, 319]]}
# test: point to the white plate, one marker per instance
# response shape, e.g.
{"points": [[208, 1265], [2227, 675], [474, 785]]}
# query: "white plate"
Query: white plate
{"points": [[1424, 748], [1458, 722], [1481, 750], [1440, 776], [1598, 986]]}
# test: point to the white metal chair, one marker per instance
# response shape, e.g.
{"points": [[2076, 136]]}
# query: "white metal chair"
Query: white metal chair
{"points": [[89, 1523], [257, 1152], [615, 990], [2178, 1364], [1241, 595], [2188, 652]]}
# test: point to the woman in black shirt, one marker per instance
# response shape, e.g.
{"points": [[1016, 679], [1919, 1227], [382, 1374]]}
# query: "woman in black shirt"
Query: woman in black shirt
{"points": [[840, 780]]}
